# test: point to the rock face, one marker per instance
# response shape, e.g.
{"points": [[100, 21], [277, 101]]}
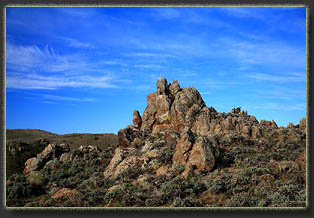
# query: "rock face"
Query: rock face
{"points": [[196, 154], [51, 152]]}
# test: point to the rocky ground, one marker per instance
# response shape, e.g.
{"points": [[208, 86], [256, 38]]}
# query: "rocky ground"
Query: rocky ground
{"points": [[180, 153]]}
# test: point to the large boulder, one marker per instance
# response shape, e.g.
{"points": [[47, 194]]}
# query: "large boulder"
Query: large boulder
{"points": [[51, 151], [196, 154], [162, 86], [174, 87], [32, 164], [137, 119], [201, 157], [202, 122], [184, 145], [149, 115]]}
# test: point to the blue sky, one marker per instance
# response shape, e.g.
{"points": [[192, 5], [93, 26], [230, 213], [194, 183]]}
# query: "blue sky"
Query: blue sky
{"points": [[84, 70]]}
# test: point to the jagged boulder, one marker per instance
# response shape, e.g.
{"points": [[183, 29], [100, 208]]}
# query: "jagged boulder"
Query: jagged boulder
{"points": [[149, 115], [256, 132], [137, 119], [266, 123], [174, 87], [32, 164], [290, 125], [183, 146], [202, 122], [302, 123], [196, 154], [52, 151], [162, 86]]}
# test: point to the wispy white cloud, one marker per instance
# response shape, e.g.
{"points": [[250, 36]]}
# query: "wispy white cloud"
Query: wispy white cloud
{"points": [[76, 43], [266, 53], [149, 66], [150, 55], [276, 78], [36, 81], [278, 106], [31, 58], [281, 93], [205, 93], [49, 102], [53, 71], [64, 98]]}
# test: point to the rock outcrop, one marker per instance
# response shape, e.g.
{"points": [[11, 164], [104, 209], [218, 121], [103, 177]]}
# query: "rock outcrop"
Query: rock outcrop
{"points": [[50, 152], [183, 113]]}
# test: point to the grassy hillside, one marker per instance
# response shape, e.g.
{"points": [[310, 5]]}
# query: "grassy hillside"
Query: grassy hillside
{"points": [[27, 134]]}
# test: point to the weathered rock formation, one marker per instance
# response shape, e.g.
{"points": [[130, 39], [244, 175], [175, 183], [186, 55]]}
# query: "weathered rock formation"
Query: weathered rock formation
{"points": [[183, 113], [51, 152]]}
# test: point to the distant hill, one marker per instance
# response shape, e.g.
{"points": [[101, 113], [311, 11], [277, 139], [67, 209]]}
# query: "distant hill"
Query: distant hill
{"points": [[27, 134], [73, 139], [22, 144]]}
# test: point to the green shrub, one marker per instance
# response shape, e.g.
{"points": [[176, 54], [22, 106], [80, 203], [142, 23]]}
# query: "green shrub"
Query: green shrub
{"points": [[35, 178], [179, 168], [165, 156], [130, 173]]}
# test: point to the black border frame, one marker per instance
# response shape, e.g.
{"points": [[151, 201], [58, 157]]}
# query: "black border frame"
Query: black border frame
{"points": [[308, 212]]}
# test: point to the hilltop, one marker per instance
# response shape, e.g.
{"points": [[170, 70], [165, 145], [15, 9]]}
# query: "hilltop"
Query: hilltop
{"points": [[178, 153]]}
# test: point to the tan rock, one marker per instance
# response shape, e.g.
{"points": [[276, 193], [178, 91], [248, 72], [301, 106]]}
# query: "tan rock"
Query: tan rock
{"points": [[184, 144], [303, 123], [162, 86], [201, 157], [202, 122], [191, 115], [163, 109], [256, 132], [174, 87], [126, 163], [290, 125], [301, 160], [32, 164], [162, 170], [119, 155], [218, 129], [64, 193], [149, 115], [246, 131], [137, 119], [274, 124], [265, 123]]}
